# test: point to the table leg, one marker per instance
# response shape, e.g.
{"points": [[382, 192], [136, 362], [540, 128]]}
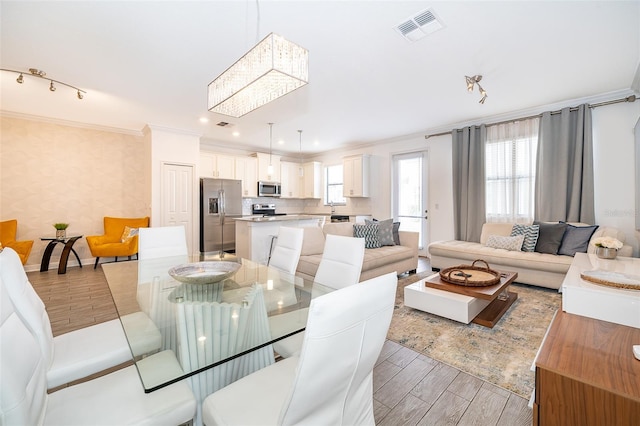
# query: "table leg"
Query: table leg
{"points": [[46, 257], [64, 258]]}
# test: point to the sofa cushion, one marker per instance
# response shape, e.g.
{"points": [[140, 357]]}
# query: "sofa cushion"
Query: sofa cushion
{"points": [[385, 231], [507, 243], [576, 239], [312, 241], [503, 229], [384, 256], [530, 233], [341, 228], [468, 251], [369, 232], [549, 237]]}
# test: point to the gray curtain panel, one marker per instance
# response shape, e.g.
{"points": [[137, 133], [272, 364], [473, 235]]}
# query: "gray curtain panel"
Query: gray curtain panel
{"points": [[564, 170], [469, 182]]}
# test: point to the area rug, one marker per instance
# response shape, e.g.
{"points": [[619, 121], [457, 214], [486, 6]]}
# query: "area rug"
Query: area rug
{"points": [[501, 355]]}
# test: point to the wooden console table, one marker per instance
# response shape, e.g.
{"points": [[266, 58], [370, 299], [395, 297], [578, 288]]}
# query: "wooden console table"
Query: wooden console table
{"points": [[586, 374]]}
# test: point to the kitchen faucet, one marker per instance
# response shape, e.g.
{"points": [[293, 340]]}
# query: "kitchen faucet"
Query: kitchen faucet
{"points": [[333, 209]]}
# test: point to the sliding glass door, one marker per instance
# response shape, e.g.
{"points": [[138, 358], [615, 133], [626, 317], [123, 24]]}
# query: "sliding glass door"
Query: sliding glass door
{"points": [[410, 195]]}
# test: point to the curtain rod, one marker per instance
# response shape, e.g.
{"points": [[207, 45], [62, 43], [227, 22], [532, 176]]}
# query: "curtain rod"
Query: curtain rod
{"points": [[631, 98]]}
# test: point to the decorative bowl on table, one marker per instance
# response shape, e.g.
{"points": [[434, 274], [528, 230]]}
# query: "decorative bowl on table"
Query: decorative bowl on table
{"points": [[204, 272]]}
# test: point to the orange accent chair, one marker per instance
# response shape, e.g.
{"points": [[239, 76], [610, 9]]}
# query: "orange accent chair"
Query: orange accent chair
{"points": [[114, 243], [8, 230]]}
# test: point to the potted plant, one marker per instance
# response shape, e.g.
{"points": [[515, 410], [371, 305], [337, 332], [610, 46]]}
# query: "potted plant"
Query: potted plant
{"points": [[607, 247], [61, 230]]}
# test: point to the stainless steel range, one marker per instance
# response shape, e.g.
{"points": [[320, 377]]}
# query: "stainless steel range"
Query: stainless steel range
{"points": [[268, 209]]}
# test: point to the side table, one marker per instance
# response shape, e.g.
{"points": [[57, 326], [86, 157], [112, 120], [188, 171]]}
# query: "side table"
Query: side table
{"points": [[64, 257]]}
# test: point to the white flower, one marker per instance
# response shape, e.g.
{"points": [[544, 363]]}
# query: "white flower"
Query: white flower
{"points": [[608, 242]]}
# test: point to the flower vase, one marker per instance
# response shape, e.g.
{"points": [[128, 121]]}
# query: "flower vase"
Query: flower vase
{"points": [[61, 234], [606, 252]]}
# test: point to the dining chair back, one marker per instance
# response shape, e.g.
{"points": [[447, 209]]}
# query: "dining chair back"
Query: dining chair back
{"points": [[115, 398], [339, 267], [341, 261], [163, 241], [331, 382], [287, 251], [202, 341], [79, 353]]}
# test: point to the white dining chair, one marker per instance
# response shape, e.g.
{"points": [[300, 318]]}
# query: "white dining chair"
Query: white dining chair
{"points": [[339, 267], [331, 382], [79, 353], [211, 331], [162, 241], [287, 251], [113, 399]]}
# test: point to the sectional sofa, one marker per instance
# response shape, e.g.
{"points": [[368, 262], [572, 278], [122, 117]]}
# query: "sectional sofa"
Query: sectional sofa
{"points": [[535, 268], [377, 261]]}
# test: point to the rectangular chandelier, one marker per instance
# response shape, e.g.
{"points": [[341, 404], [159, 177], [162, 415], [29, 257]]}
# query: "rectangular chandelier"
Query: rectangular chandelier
{"points": [[272, 68]]}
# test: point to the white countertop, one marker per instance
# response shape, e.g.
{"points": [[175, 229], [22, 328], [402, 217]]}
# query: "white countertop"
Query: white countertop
{"points": [[285, 218]]}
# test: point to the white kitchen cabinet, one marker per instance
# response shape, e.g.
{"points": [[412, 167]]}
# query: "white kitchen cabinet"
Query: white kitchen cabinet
{"points": [[355, 171], [312, 180], [290, 179], [219, 166], [247, 172], [263, 165]]}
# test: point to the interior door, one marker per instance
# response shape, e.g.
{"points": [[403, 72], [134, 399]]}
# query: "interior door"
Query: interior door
{"points": [[177, 198], [410, 195]]}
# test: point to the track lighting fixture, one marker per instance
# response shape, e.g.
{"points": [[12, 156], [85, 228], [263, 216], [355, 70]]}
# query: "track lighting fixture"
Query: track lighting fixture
{"points": [[33, 72], [471, 81]]}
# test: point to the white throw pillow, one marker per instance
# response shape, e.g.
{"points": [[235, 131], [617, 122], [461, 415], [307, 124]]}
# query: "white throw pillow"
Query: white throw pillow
{"points": [[508, 243]]}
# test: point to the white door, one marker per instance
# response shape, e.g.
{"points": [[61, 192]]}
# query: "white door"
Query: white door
{"points": [[177, 198], [410, 195]]}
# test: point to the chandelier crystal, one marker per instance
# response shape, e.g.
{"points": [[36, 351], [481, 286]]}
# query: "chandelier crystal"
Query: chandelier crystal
{"points": [[271, 69]]}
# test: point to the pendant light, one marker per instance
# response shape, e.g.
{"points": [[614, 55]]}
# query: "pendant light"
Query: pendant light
{"points": [[270, 167], [300, 167]]}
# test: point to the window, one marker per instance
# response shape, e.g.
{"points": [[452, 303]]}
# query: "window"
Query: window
{"points": [[333, 185], [510, 167]]}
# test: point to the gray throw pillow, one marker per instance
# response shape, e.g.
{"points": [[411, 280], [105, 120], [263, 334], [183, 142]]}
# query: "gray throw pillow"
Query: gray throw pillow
{"points": [[549, 237], [396, 234], [576, 239], [385, 231], [369, 232]]}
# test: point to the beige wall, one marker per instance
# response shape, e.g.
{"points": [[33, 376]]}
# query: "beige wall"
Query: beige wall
{"points": [[54, 173]]}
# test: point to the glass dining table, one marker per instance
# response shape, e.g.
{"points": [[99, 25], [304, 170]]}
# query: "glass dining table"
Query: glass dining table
{"points": [[218, 332]]}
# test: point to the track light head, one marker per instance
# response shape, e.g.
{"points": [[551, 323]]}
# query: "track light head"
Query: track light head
{"points": [[80, 96], [20, 78], [52, 87]]}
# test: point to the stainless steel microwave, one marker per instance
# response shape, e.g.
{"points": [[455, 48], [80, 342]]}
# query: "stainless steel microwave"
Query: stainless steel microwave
{"points": [[269, 189]]}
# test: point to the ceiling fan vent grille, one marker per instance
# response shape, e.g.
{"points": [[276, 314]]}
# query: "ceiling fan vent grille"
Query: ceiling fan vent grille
{"points": [[420, 25]]}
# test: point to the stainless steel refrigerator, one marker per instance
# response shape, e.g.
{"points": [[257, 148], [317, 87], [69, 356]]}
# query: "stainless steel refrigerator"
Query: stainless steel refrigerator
{"points": [[220, 202]]}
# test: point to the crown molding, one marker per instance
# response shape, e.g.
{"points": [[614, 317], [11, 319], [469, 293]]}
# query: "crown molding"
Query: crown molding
{"points": [[77, 124]]}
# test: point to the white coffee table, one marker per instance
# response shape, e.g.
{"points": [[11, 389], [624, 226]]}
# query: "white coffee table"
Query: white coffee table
{"points": [[582, 297], [481, 305]]}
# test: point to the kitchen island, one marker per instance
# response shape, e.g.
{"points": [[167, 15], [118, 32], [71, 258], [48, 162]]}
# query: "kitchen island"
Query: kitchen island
{"points": [[254, 234]]}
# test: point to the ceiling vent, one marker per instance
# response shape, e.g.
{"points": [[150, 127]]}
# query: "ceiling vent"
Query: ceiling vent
{"points": [[224, 124], [418, 26]]}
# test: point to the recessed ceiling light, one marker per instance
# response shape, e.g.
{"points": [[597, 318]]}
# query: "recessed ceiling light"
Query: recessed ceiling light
{"points": [[280, 142], [204, 120], [236, 134], [316, 143]]}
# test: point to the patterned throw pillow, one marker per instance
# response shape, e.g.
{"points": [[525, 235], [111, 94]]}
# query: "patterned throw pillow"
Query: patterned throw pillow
{"points": [[128, 234], [369, 232], [530, 233], [385, 231], [507, 243]]}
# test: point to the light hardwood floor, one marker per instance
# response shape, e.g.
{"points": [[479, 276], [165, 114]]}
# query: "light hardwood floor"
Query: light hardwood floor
{"points": [[409, 388]]}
